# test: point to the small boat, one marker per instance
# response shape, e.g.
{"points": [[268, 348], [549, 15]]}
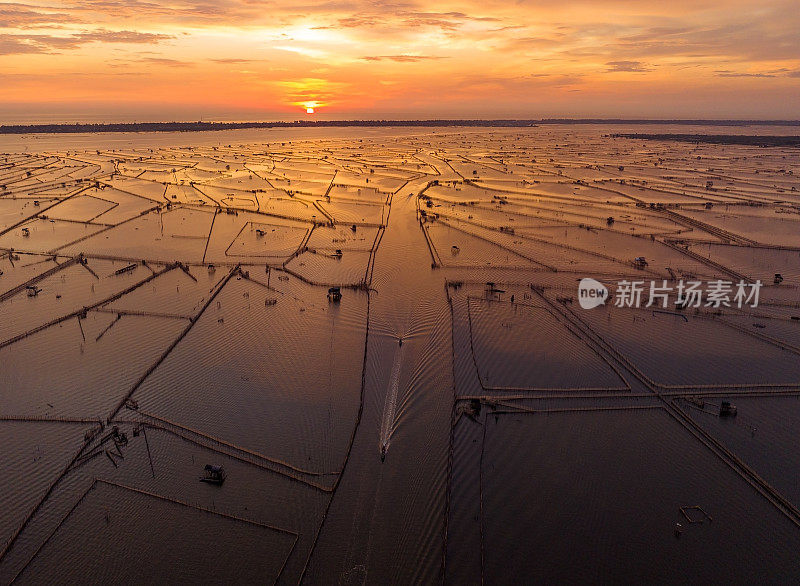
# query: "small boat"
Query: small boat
{"points": [[213, 474], [334, 295], [727, 409], [383, 452], [640, 262]]}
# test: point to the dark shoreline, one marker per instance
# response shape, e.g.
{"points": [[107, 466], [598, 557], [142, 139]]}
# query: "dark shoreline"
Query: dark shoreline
{"points": [[214, 126], [749, 140]]}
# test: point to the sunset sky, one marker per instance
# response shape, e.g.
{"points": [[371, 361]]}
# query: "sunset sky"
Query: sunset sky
{"points": [[121, 60]]}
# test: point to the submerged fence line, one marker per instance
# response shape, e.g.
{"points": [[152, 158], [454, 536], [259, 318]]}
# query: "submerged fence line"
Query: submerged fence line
{"points": [[233, 446], [40, 277], [726, 455], [454, 419], [175, 342], [349, 447], [50, 419], [564, 324], [83, 310], [97, 481], [241, 456], [518, 409], [742, 469], [55, 530], [197, 507]]}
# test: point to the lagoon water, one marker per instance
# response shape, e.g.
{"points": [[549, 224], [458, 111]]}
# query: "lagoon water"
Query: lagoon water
{"points": [[167, 301]]}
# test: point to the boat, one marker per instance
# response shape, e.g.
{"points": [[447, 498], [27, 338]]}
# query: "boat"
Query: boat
{"points": [[727, 409], [213, 474]]}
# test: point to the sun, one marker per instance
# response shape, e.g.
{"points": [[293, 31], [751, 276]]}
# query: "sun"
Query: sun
{"points": [[310, 106]]}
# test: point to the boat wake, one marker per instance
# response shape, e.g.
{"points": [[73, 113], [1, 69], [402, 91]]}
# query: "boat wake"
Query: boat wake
{"points": [[390, 408]]}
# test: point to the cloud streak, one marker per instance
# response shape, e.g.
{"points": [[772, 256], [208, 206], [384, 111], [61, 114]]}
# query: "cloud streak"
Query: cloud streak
{"points": [[402, 58], [627, 67], [44, 43]]}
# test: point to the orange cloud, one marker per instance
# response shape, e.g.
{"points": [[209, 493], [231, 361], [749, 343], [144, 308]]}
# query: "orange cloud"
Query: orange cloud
{"points": [[496, 58]]}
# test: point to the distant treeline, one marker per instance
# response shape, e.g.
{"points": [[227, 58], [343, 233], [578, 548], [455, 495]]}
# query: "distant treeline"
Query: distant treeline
{"points": [[208, 126], [750, 140]]}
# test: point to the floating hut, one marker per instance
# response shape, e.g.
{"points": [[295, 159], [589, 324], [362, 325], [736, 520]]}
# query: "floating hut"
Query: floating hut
{"points": [[334, 294], [213, 474]]}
